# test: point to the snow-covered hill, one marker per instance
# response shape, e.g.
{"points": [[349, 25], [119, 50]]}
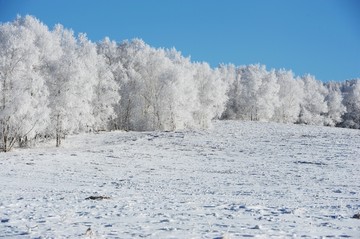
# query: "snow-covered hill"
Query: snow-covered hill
{"points": [[239, 179]]}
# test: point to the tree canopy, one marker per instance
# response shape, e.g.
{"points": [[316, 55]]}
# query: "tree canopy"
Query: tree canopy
{"points": [[53, 83]]}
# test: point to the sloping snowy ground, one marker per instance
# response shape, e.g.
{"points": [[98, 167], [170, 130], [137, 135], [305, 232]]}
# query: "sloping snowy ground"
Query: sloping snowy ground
{"points": [[239, 179]]}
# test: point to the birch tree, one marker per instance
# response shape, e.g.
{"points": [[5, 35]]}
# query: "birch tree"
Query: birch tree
{"points": [[351, 119], [23, 108], [336, 108], [71, 85], [211, 94], [313, 107], [291, 94]]}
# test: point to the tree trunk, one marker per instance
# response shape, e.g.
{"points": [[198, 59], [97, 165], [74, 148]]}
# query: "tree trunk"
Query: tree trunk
{"points": [[4, 143], [58, 131], [8, 143], [126, 125], [58, 139]]}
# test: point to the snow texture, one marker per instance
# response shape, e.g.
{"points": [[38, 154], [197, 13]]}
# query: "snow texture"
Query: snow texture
{"points": [[236, 180]]}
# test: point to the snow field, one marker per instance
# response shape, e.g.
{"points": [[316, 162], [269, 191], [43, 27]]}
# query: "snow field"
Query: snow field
{"points": [[236, 180]]}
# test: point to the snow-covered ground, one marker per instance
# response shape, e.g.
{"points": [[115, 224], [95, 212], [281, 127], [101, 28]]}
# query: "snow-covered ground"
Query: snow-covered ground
{"points": [[239, 179]]}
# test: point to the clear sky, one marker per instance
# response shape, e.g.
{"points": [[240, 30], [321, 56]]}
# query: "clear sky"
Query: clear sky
{"points": [[320, 37]]}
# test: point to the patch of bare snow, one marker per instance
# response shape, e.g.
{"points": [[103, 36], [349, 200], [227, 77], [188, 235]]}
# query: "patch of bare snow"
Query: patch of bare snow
{"points": [[239, 179]]}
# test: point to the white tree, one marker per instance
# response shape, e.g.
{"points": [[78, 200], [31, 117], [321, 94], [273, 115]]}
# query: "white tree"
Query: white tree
{"points": [[336, 109], [52, 83], [87, 79], [211, 94], [23, 108], [313, 107], [162, 90], [184, 92], [157, 91], [268, 97], [351, 119], [137, 86], [71, 85], [255, 93], [101, 94], [106, 96], [290, 96], [114, 59], [232, 78]]}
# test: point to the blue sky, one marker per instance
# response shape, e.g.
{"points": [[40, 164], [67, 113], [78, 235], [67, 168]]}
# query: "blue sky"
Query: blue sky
{"points": [[320, 37]]}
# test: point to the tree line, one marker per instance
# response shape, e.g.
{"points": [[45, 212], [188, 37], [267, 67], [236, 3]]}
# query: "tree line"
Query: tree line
{"points": [[53, 83]]}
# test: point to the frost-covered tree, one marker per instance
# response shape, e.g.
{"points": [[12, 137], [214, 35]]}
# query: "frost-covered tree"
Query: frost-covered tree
{"points": [[185, 99], [88, 67], [251, 78], [211, 94], [290, 96], [244, 92], [23, 105], [101, 94], [160, 89], [106, 96], [268, 98], [351, 91], [313, 107], [229, 74], [253, 94], [53, 84], [155, 88], [136, 110], [336, 108], [71, 85], [111, 53]]}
